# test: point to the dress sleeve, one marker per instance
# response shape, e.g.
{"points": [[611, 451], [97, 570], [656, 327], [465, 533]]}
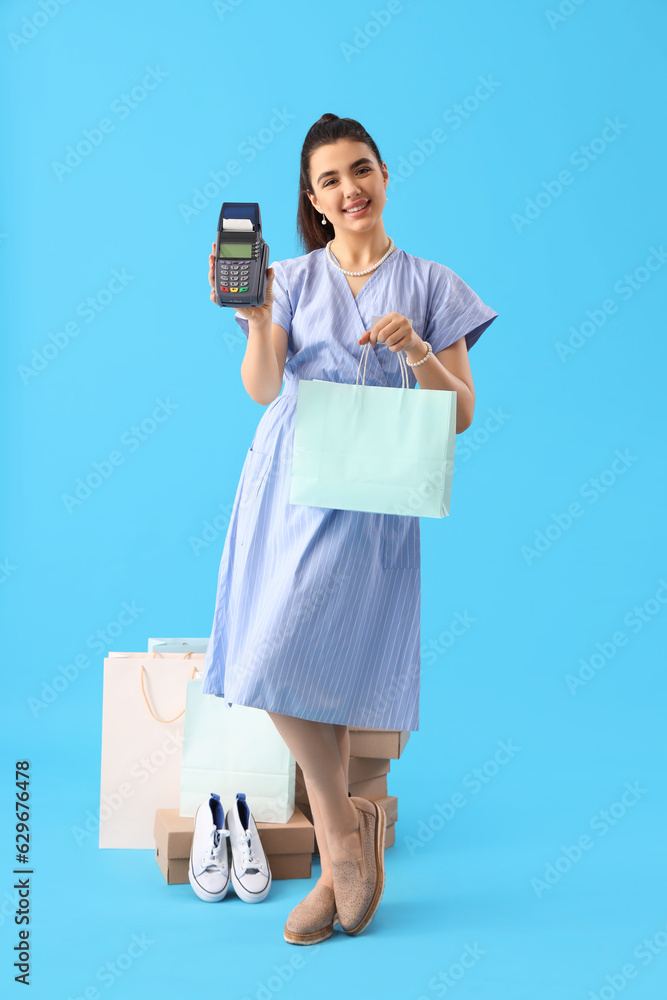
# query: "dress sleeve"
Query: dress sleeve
{"points": [[454, 311], [282, 309]]}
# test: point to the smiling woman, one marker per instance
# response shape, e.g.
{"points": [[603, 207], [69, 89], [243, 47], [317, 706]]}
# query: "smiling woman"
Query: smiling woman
{"points": [[347, 173], [353, 657]]}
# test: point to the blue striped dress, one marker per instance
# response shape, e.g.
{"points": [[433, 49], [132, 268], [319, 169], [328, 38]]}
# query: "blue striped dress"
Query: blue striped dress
{"points": [[317, 613]]}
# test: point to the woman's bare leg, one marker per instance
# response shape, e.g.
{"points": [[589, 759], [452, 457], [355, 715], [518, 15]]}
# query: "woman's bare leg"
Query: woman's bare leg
{"points": [[343, 739], [316, 746]]}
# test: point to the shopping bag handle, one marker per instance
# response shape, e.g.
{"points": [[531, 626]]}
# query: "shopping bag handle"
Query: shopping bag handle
{"points": [[401, 363], [143, 689]]}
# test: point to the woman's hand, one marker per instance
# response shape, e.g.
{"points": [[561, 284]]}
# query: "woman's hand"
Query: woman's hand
{"points": [[253, 313], [393, 330]]}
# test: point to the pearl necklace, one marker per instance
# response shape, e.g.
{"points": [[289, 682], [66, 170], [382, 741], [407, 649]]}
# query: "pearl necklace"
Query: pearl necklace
{"points": [[368, 269]]}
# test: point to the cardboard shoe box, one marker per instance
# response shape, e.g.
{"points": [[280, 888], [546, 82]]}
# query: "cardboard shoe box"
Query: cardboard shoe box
{"points": [[371, 788], [175, 870], [173, 834], [300, 791], [306, 810], [296, 836], [290, 865], [288, 846], [390, 805], [363, 768], [378, 742]]}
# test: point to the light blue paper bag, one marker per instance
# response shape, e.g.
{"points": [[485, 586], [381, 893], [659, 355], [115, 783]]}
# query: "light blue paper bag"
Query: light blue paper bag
{"points": [[374, 448], [234, 749], [178, 645]]}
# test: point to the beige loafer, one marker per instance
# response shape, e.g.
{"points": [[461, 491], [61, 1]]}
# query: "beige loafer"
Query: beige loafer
{"points": [[312, 920], [359, 884]]}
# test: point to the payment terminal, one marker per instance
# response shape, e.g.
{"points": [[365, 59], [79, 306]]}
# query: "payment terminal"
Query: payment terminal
{"points": [[241, 256]]}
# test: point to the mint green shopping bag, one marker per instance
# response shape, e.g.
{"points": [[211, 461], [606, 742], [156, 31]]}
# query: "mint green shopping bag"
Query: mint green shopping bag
{"points": [[374, 448], [229, 749]]}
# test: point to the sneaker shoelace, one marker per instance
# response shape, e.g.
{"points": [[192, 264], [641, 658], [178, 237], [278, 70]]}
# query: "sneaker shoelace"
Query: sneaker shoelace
{"points": [[251, 862], [214, 856]]}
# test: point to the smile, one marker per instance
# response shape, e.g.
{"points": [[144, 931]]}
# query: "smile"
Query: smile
{"points": [[357, 211]]}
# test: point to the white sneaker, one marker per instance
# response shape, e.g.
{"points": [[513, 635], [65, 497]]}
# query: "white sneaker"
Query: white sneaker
{"points": [[208, 870], [251, 874]]}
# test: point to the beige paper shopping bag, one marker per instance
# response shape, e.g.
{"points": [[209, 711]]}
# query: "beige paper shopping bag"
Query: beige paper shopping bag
{"points": [[142, 738]]}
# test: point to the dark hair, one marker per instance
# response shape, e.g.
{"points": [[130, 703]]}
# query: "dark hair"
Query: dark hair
{"points": [[310, 231]]}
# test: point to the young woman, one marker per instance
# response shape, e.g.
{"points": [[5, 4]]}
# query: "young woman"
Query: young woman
{"points": [[317, 616]]}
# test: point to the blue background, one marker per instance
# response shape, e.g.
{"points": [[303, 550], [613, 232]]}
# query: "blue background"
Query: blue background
{"points": [[548, 427]]}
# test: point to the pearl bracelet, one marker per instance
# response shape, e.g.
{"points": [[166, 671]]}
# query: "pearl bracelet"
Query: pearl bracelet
{"points": [[415, 363]]}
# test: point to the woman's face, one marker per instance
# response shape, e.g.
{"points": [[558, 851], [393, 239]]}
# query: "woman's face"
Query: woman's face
{"points": [[343, 174]]}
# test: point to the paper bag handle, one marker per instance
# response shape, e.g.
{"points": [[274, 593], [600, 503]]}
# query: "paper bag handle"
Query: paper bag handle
{"points": [[401, 362], [143, 690]]}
